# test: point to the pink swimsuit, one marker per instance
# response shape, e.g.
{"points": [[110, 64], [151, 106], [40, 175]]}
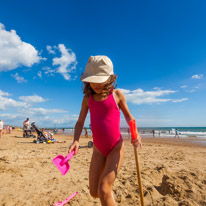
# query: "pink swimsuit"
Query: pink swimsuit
{"points": [[105, 123]]}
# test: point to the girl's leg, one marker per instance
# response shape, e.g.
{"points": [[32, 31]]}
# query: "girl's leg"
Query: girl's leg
{"points": [[96, 168], [112, 166]]}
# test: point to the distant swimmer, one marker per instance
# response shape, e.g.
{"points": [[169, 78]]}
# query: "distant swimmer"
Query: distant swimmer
{"points": [[153, 133], [86, 132], [176, 133]]}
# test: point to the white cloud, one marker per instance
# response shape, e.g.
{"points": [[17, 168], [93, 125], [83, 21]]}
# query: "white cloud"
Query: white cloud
{"points": [[125, 91], [141, 97], [156, 88], [184, 86], [13, 119], [19, 110], [50, 50], [44, 117], [179, 100], [146, 122], [42, 111], [191, 90], [197, 76], [67, 62], [18, 78], [4, 93], [39, 74], [14, 52], [64, 120], [45, 120], [48, 71], [8, 102], [152, 120], [10, 116], [33, 99]]}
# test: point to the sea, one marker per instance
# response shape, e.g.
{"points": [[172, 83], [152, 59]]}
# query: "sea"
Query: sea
{"points": [[166, 132]]}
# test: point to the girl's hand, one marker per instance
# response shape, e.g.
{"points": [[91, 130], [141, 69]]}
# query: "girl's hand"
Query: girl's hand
{"points": [[74, 146], [137, 142]]}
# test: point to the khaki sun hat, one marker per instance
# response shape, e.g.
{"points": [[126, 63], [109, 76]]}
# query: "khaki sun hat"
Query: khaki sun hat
{"points": [[98, 69]]}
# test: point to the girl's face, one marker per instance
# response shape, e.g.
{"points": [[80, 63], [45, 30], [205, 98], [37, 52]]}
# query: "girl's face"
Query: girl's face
{"points": [[97, 87]]}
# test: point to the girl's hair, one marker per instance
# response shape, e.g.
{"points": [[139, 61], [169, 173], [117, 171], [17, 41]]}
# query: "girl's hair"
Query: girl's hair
{"points": [[109, 86]]}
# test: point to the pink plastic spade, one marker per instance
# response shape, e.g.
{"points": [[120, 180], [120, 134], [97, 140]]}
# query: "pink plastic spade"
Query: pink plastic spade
{"points": [[62, 163], [65, 201]]}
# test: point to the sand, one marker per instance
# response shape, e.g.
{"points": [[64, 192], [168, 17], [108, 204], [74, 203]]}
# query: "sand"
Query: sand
{"points": [[173, 173]]}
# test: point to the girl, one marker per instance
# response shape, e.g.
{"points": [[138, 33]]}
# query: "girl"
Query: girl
{"points": [[104, 103]]}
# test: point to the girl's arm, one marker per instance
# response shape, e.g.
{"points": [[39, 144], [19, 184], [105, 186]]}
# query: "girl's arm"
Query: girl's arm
{"points": [[79, 125], [121, 101]]}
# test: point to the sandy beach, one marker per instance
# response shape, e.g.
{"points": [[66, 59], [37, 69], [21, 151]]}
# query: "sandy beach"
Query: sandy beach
{"points": [[173, 173]]}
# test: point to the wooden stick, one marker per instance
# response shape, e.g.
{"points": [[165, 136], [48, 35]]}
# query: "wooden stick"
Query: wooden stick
{"points": [[139, 176], [134, 134]]}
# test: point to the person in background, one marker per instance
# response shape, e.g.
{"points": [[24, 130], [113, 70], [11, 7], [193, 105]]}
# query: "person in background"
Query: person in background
{"points": [[86, 132], [176, 133], [153, 132], [1, 127], [8, 130], [129, 135], [90, 127], [26, 124]]}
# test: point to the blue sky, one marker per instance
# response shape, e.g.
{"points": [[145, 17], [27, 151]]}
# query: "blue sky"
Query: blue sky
{"points": [[158, 49]]}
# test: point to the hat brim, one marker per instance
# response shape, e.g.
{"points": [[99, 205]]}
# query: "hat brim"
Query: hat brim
{"points": [[95, 79]]}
